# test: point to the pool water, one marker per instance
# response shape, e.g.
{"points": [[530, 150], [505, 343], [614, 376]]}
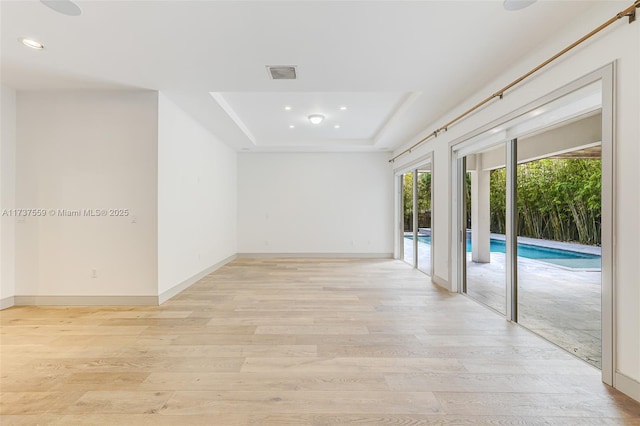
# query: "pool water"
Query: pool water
{"points": [[566, 258]]}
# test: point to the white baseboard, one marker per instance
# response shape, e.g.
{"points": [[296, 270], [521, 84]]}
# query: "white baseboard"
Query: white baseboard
{"points": [[168, 294], [110, 300], [440, 282], [86, 300], [317, 255], [7, 302], [627, 385]]}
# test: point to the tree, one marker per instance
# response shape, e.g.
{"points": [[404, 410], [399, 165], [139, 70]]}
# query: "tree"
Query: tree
{"points": [[407, 202], [424, 200]]}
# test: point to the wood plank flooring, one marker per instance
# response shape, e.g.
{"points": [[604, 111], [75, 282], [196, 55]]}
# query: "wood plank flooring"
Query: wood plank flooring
{"points": [[295, 342]]}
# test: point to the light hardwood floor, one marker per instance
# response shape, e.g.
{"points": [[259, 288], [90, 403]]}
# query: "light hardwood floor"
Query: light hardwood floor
{"points": [[295, 342]]}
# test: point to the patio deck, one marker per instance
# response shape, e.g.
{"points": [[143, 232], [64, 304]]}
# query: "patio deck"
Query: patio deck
{"points": [[559, 304]]}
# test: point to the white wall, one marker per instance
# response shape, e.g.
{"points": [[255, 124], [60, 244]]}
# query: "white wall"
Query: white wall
{"points": [[87, 150], [620, 43], [196, 198], [7, 194], [320, 203]]}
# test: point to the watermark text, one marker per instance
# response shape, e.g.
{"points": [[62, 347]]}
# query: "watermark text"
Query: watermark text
{"points": [[65, 212]]}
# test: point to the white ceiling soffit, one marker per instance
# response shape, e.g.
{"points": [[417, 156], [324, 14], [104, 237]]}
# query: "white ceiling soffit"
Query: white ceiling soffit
{"points": [[403, 64], [281, 119]]}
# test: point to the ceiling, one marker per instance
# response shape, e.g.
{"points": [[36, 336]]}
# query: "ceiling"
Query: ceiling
{"points": [[278, 119], [396, 65]]}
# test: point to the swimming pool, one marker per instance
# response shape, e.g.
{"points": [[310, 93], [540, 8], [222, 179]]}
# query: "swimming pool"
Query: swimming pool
{"points": [[566, 258]]}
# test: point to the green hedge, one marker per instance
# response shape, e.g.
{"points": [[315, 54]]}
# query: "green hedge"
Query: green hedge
{"points": [[558, 199]]}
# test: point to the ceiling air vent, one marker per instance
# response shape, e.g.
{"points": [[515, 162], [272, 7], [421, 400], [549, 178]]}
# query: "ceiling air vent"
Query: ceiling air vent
{"points": [[282, 72]]}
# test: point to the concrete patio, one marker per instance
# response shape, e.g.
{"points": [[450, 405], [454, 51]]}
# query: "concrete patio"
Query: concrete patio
{"points": [[559, 304]]}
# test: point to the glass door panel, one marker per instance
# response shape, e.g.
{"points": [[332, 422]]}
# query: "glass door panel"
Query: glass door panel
{"points": [[485, 192], [424, 219], [559, 255], [407, 214]]}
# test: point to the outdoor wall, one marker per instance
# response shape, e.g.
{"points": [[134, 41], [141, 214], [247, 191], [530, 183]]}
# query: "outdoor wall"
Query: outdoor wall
{"points": [[196, 200], [620, 43], [7, 195], [87, 150], [315, 203]]}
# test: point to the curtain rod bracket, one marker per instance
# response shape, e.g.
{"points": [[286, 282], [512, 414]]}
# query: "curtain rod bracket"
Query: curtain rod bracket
{"points": [[632, 16]]}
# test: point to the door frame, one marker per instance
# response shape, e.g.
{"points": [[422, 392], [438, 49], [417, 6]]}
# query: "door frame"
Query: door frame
{"points": [[606, 75], [412, 167]]}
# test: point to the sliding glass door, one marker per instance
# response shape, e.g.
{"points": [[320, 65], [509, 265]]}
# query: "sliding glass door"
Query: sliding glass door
{"points": [[415, 214], [485, 248], [559, 248], [423, 238], [531, 208], [408, 197]]}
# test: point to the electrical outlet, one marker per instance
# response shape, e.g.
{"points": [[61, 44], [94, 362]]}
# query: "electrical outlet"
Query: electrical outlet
{"points": [[94, 273]]}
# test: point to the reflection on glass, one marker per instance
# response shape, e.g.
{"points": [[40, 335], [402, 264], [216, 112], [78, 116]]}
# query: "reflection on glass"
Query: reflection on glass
{"points": [[424, 220], [485, 213]]}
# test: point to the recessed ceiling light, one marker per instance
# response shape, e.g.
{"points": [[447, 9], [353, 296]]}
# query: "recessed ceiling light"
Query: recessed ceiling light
{"points": [[512, 5], [287, 108], [66, 7], [291, 126], [31, 43], [316, 118], [336, 126], [343, 108]]}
